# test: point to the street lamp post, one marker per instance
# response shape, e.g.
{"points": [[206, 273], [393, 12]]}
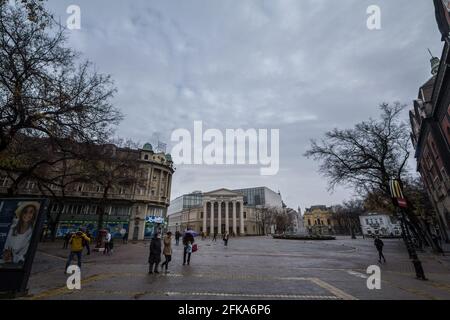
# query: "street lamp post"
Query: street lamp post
{"points": [[410, 247], [401, 203]]}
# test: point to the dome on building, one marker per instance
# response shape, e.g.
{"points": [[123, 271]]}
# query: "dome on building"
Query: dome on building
{"points": [[168, 157], [147, 147]]}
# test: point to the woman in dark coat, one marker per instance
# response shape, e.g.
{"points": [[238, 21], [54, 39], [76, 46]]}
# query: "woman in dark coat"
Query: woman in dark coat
{"points": [[155, 253]]}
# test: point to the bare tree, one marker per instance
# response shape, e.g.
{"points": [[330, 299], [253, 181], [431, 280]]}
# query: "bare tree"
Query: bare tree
{"points": [[283, 220], [44, 164], [347, 216], [50, 105], [367, 156], [36, 159], [44, 91], [114, 168], [265, 217]]}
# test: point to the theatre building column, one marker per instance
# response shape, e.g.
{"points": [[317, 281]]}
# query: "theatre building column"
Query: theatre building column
{"points": [[234, 218], [219, 219], [205, 213], [211, 231]]}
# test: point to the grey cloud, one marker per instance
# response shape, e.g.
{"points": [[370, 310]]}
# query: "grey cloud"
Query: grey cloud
{"points": [[303, 66]]}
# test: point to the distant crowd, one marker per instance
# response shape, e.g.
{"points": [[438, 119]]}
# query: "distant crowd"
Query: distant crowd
{"points": [[159, 246]]}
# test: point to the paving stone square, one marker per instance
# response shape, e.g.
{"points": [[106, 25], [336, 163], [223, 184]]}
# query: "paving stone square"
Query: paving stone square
{"points": [[249, 268]]}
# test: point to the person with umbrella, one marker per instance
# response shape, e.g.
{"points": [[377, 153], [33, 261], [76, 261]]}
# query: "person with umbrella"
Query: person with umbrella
{"points": [[188, 241]]}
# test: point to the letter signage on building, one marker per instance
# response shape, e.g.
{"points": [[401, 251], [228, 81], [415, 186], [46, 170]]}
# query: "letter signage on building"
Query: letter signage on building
{"points": [[397, 194], [154, 219]]}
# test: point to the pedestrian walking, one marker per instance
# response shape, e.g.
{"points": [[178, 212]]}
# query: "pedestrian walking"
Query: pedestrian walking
{"points": [[76, 248], [125, 238], [167, 251], [44, 234], [214, 237], [177, 237], [67, 237], [86, 243], [225, 238], [379, 245], [111, 245], [188, 241], [107, 243], [155, 253]]}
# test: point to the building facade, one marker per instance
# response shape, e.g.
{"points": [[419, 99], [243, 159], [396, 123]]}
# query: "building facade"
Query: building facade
{"points": [[261, 196], [380, 224], [136, 208], [222, 210], [319, 220], [430, 124]]}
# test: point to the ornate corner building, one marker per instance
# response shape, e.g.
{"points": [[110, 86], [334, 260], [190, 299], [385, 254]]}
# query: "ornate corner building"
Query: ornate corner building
{"points": [[136, 202], [319, 220], [430, 123]]}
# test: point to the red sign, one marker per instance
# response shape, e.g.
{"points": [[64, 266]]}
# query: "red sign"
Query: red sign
{"points": [[402, 203]]}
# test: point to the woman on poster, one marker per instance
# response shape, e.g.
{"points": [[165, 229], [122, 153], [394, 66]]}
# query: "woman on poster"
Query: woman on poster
{"points": [[20, 232]]}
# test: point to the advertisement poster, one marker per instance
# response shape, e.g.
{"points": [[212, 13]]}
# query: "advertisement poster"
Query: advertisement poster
{"points": [[18, 220], [21, 222]]}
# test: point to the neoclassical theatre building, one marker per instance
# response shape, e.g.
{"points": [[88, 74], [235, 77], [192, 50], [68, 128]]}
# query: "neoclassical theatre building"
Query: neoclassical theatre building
{"points": [[221, 210]]}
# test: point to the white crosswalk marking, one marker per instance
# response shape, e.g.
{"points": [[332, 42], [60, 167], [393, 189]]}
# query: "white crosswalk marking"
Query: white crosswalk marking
{"points": [[357, 274]]}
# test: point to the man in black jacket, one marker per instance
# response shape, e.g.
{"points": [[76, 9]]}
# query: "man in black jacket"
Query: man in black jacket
{"points": [[379, 245], [155, 253]]}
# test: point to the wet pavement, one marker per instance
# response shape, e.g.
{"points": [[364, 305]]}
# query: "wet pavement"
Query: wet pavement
{"points": [[249, 268]]}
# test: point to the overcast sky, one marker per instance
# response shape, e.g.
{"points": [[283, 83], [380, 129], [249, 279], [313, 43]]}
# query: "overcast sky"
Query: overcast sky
{"points": [[301, 66]]}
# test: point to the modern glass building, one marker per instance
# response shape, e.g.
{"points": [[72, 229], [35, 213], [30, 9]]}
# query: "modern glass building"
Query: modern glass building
{"points": [[261, 196], [187, 201]]}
